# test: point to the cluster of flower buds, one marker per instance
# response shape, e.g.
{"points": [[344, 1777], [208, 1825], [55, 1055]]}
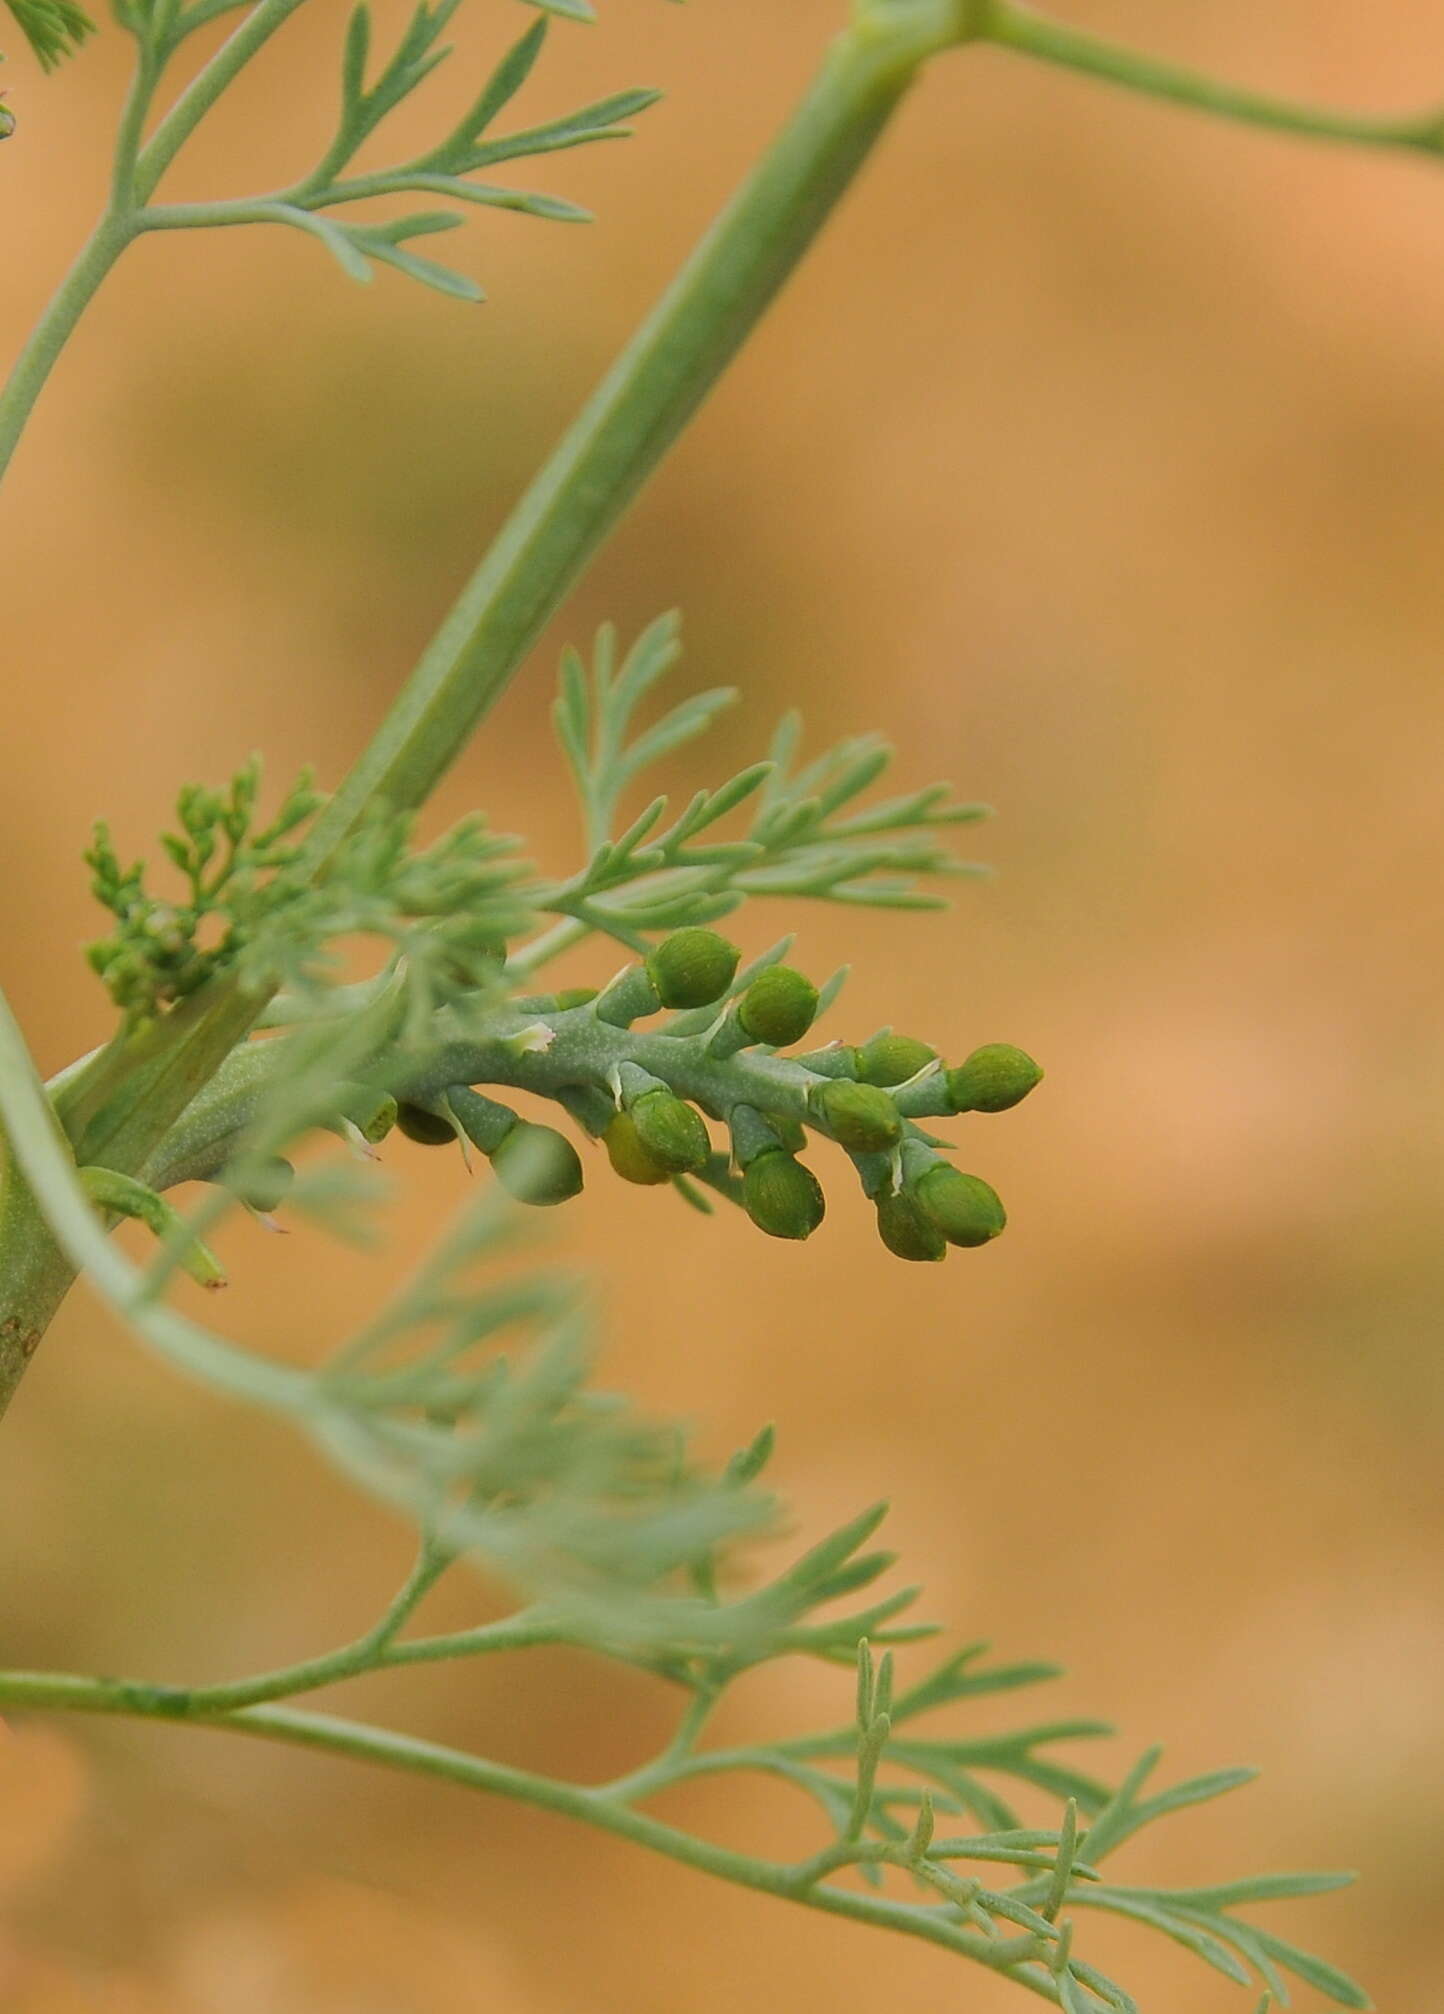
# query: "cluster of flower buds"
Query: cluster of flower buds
{"points": [[648, 1093]]}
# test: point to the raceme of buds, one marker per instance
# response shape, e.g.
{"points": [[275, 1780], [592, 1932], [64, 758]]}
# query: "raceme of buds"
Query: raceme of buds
{"points": [[692, 968], [646, 1093], [778, 1007], [992, 1079]]}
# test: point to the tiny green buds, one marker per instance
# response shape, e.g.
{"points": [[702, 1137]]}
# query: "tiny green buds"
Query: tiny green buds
{"points": [[782, 1198], [7, 120], [892, 1059], [427, 1129], [778, 1007], [692, 968], [963, 1207], [906, 1229], [537, 1165], [992, 1078], [860, 1117], [670, 1132], [629, 1157]]}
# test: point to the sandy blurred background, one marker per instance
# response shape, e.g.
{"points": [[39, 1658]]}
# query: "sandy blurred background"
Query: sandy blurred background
{"points": [[1099, 455]]}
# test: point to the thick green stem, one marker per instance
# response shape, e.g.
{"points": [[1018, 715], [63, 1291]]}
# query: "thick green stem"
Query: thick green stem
{"points": [[638, 411]]}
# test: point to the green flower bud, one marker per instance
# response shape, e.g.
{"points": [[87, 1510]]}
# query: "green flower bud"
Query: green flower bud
{"points": [[778, 1007], [671, 1132], [427, 1129], [891, 1059], [964, 1208], [261, 1184], [537, 1165], [906, 1229], [692, 968], [992, 1078], [628, 1156], [782, 1197], [860, 1117], [575, 996]]}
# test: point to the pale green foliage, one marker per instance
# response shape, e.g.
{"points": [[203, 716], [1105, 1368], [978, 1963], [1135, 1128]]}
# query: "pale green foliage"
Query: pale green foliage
{"points": [[53, 28], [804, 835], [466, 1403], [444, 169], [251, 904]]}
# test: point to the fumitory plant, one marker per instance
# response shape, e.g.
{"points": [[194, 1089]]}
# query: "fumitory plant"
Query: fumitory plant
{"points": [[241, 1034]]}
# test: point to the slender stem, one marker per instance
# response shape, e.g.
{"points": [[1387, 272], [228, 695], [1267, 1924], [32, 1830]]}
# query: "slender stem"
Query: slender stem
{"points": [[51, 333], [334, 1736], [1014, 25], [203, 91], [641, 406]]}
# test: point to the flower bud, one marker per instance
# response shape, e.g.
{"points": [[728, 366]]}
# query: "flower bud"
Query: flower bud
{"points": [[427, 1129], [628, 1156], [692, 968], [860, 1117], [262, 1183], [964, 1208], [782, 1197], [992, 1078], [538, 1165], [575, 996], [671, 1132], [778, 1007], [906, 1229], [892, 1059]]}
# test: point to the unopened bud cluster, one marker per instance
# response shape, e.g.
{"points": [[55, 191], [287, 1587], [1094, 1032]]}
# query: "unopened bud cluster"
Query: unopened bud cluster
{"points": [[648, 1094]]}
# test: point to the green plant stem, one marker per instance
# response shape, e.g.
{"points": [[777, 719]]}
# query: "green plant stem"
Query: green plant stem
{"points": [[205, 88], [329, 1734], [1014, 26], [637, 412], [51, 333]]}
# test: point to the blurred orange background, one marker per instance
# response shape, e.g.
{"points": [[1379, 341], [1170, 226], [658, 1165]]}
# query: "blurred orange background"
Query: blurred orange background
{"points": [[1097, 455]]}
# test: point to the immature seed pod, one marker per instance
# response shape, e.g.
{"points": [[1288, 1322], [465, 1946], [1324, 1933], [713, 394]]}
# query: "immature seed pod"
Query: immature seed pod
{"points": [[629, 1157], [964, 1208], [860, 1117], [782, 1198], [671, 1132], [906, 1229], [891, 1059], [538, 1165], [692, 968], [992, 1078], [427, 1129], [778, 1007]]}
